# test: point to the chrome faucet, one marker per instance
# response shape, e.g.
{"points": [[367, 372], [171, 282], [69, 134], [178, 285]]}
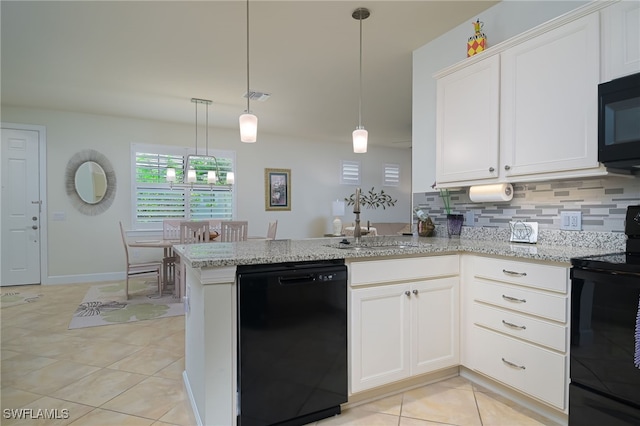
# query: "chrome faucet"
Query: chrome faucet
{"points": [[357, 234]]}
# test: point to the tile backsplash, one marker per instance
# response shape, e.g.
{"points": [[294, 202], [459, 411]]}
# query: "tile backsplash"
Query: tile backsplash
{"points": [[603, 203]]}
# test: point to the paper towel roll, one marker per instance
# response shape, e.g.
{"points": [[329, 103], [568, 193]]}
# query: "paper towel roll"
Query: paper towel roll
{"points": [[487, 193]]}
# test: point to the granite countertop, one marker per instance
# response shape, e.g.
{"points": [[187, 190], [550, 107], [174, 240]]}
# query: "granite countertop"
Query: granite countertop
{"points": [[254, 252]]}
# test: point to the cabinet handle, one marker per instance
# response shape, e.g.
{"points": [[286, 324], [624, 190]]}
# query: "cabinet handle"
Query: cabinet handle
{"points": [[513, 299], [408, 293], [513, 273], [507, 167], [519, 327], [415, 292], [491, 170], [511, 364]]}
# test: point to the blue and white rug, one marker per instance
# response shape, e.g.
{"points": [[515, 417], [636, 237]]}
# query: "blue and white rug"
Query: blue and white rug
{"points": [[106, 304]]}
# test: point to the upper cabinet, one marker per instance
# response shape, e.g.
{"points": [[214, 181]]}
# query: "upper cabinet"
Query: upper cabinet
{"points": [[526, 109], [526, 112], [468, 122], [620, 40], [548, 102]]}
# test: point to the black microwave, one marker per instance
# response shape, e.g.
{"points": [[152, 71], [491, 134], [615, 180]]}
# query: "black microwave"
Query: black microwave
{"points": [[619, 123]]}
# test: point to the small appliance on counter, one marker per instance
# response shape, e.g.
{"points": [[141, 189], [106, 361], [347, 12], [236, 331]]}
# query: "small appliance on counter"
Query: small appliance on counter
{"points": [[605, 334]]}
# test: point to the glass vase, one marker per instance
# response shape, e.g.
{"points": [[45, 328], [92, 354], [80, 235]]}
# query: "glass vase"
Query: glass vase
{"points": [[454, 224]]}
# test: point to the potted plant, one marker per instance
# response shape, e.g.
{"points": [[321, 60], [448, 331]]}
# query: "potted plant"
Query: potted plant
{"points": [[454, 221]]}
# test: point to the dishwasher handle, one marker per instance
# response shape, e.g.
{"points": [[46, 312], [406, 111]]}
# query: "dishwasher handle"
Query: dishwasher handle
{"points": [[296, 279]]}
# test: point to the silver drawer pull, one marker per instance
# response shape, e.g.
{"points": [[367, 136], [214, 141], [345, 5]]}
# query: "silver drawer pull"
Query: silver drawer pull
{"points": [[519, 327], [514, 273], [513, 299], [511, 364]]}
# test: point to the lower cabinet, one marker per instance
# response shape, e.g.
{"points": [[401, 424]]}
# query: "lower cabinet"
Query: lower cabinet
{"points": [[400, 329], [516, 325]]}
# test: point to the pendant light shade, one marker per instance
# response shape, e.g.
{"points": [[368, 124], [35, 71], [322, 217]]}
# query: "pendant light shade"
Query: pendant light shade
{"points": [[360, 135], [248, 121], [248, 128]]}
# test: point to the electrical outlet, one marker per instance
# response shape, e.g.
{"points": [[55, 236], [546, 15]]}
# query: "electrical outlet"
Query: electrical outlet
{"points": [[469, 218], [571, 221]]}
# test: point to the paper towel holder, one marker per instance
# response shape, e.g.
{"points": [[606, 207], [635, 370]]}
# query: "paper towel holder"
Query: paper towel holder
{"points": [[500, 192]]}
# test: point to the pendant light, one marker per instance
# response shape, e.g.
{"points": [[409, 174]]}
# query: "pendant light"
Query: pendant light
{"points": [[360, 135], [248, 121], [189, 174]]}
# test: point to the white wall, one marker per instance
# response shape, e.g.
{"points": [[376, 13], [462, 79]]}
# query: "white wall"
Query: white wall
{"points": [[501, 22], [88, 248]]}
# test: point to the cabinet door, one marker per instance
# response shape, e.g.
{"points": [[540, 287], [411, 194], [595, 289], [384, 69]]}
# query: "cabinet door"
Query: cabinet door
{"points": [[467, 123], [434, 325], [620, 40], [379, 340], [549, 101]]}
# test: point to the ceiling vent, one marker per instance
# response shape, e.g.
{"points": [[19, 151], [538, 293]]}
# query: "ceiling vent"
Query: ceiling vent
{"points": [[257, 96]]}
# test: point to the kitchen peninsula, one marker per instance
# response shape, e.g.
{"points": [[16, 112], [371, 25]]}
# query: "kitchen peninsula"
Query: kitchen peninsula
{"points": [[438, 285]]}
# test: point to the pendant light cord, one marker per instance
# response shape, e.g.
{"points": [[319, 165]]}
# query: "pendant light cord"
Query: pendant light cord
{"points": [[360, 95], [196, 127], [248, 94]]}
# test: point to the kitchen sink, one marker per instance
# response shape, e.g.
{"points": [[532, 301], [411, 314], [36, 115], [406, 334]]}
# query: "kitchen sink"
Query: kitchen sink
{"points": [[378, 246]]}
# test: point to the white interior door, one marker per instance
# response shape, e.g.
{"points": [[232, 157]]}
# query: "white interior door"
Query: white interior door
{"points": [[21, 207]]}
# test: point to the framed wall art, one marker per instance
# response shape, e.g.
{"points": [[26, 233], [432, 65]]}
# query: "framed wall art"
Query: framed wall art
{"points": [[277, 189]]}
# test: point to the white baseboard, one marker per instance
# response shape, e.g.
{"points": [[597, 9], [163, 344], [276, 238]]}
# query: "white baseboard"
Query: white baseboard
{"points": [[192, 400], [84, 278]]}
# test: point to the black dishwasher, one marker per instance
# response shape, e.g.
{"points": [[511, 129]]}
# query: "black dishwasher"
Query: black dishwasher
{"points": [[292, 342]]}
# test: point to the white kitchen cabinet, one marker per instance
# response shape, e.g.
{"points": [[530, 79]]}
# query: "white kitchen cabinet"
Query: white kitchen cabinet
{"points": [[549, 96], [516, 325], [620, 40], [468, 122], [406, 327], [546, 99]]}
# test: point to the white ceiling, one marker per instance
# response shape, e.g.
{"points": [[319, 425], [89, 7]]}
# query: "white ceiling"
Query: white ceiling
{"points": [[147, 59]]}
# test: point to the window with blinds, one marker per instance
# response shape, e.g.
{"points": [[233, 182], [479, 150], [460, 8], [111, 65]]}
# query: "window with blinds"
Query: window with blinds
{"points": [[391, 173], [350, 172], [154, 199]]}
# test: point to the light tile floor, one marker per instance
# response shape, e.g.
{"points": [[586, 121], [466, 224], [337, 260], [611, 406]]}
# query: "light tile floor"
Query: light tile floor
{"points": [[131, 374]]}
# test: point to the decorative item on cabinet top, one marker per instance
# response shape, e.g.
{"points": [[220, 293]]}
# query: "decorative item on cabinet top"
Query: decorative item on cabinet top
{"points": [[477, 42]]}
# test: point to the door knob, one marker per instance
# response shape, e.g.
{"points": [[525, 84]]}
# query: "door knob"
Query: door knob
{"points": [[407, 293], [34, 218], [415, 292], [507, 167], [34, 227], [491, 169]]}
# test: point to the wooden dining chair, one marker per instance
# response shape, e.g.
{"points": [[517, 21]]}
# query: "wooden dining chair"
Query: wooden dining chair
{"points": [[191, 232], [171, 229], [171, 232], [194, 232], [271, 231], [140, 269], [233, 230]]}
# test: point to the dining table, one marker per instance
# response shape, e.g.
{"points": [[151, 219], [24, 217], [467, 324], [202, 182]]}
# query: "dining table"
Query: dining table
{"points": [[166, 245]]}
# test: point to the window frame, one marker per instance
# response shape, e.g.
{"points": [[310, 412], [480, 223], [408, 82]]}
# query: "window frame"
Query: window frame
{"points": [[174, 151]]}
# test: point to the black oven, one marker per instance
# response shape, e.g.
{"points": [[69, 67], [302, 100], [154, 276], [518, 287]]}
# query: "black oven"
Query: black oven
{"points": [[605, 380], [619, 123]]}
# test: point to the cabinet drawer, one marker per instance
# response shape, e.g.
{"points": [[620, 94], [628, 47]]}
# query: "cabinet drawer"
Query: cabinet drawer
{"points": [[530, 369], [521, 299], [544, 333], [411, 268], [547, 277]]}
